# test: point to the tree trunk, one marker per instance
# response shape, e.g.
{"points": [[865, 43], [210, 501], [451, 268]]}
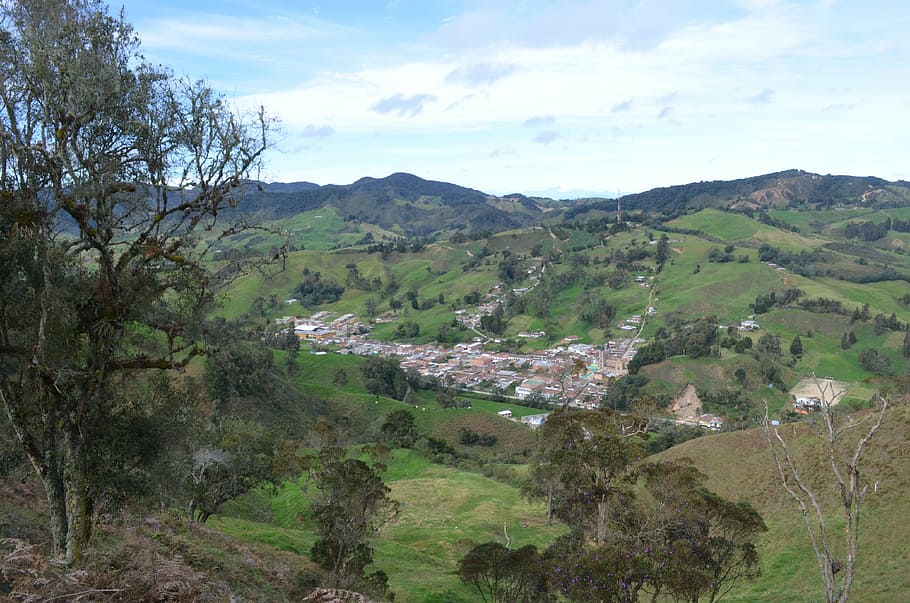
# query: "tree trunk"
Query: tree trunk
{"points": [[78, 508], [549, 506], [56, 508], [601, 520], [43, 452]]}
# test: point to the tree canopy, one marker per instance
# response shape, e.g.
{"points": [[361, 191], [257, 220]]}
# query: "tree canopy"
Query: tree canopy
{"points": [[115, 177]]}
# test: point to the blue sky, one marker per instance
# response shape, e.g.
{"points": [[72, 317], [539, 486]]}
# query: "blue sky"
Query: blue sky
{"points": [[562, 98]]}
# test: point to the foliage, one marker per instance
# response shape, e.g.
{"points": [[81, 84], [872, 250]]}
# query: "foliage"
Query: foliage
{"points": [[399, 429], [875, 362], [239, 368], [383, 376], [113, 176], [469, 437], [313, 291], [230, 457], [495, 322], [596, 310], [585, 466], [350, 505], [676, 538], [501, 574]]}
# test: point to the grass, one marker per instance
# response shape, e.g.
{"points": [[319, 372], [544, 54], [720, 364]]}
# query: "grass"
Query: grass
{"points": [[444, 512], [740, 467]]}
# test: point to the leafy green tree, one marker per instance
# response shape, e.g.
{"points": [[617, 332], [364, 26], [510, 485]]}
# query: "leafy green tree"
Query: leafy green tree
{"points": [[874, 361], [769, 346], [503, 575], [704, 542], [383, 376], [592, 458], [370, 306], [350, 505], [231, 457], [596, 310], [906, 347], [495, 322], [314, 291], [135, 166], [399, 428], [662, 254], [239, 368], [796, 347]]}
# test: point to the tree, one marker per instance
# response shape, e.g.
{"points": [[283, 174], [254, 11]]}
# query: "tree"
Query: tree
{"points": [[370, 305], [672, 536], [592, 464], [494, 323], [836, 564], [906, 346], [874, 361], [383, 376], [796, 347], [501, 574], [769, 346], [703, 544], [399, 428], [231, 458], [663, 251], [238, 368], [350, 505], [113, 178]]}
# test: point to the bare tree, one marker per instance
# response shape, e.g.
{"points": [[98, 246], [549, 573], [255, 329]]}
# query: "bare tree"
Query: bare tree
{"points": [[844, 459]]}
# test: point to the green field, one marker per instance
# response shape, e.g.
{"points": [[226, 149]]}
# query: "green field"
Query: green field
{"points": [[444, 513]]}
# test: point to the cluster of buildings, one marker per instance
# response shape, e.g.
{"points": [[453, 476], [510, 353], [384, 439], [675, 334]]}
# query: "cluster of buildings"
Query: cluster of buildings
{"points": [[574, 372], [324, 327]]}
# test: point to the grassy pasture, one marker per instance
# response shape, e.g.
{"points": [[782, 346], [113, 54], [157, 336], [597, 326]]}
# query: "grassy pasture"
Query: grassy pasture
{"points": [[444, 512]]}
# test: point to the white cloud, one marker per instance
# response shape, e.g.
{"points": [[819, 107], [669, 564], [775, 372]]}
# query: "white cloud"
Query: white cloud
{"points": [[539, 120], [314, 131], [693, 76], [762, 98], [546, 136], [406, 106]]}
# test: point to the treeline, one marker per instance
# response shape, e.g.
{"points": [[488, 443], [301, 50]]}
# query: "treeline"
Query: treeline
{"points": [[634, 528], [870, 231], [696, 339]]}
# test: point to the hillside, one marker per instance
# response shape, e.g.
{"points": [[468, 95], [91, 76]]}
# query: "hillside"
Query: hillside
{"points": [[402, 204], [791, 188], [739, 466], [405, 205]]}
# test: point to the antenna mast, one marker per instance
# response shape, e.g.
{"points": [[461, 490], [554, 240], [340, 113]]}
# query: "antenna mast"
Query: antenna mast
{"points": [[618, 208]]}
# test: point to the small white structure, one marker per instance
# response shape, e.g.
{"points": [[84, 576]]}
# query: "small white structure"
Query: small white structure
{"points": [[534, 421], [505, 414]]}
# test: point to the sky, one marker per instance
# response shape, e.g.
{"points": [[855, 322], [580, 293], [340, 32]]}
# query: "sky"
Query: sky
{"points": [[562, 99]]}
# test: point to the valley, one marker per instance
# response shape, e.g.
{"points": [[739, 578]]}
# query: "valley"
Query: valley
{"points": [[223, 382]]}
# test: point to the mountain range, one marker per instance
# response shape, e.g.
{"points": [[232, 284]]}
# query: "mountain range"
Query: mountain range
{"points": [[412, 206]]}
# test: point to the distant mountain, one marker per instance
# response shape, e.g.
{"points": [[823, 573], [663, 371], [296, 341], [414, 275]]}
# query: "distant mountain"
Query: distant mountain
{"points": [[780, 189], [411, 206], [401, 203], [289, 187], [792, 187]]}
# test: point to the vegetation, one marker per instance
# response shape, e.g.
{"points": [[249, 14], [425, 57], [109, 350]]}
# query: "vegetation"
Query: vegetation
{"points": [[126, 287], [128, 251], [844, 474]]}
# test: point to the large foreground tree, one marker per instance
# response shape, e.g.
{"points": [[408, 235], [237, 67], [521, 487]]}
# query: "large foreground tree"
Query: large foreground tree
{"points": [[112, 177]]}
